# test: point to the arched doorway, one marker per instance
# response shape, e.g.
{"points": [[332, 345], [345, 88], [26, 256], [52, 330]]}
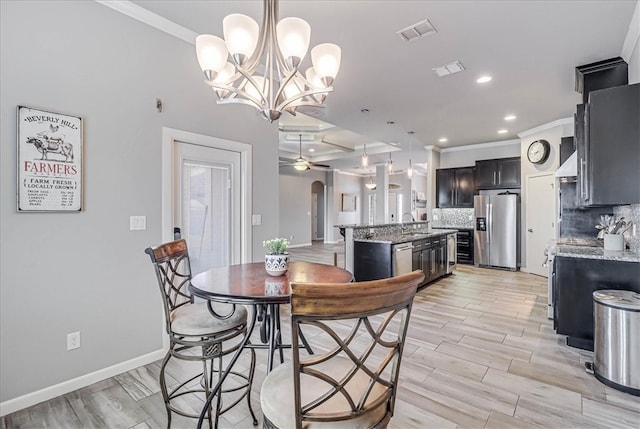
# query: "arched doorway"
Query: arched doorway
{"points": [[317, 211]]}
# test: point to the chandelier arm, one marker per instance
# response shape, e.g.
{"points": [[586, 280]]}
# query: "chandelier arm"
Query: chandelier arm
{"points": [[309, 102], [237, 91]]}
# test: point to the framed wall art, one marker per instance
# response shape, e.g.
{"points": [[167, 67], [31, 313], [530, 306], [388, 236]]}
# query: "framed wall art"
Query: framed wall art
{"points": [[49, 161], [348, 203]]}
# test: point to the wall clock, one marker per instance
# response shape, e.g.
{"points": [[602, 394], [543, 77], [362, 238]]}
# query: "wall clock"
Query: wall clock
{"points": [[538, 151]]}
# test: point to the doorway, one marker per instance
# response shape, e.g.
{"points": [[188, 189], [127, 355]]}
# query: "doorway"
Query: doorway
{"points": [[541, 212], [206, 193], [317, 210]]}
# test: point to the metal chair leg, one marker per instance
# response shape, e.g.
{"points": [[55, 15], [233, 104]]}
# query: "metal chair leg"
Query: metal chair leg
{"points": [[163, 387]]}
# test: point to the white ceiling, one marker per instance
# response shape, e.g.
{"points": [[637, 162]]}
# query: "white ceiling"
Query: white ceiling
{"points": [[530, 48]]}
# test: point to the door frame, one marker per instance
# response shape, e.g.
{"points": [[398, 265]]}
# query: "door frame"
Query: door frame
{"points": [[169, 136], [524, 229]]}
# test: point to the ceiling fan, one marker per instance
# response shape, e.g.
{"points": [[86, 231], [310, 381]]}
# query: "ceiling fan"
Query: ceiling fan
{"points": [[302, 164]]}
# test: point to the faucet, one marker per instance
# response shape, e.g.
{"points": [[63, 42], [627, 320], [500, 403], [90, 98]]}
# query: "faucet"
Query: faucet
{"points": [[402, 225]]}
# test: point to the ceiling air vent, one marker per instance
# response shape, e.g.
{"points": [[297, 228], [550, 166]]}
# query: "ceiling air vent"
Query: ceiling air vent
{"points": [[448, 69], [416, 31]]}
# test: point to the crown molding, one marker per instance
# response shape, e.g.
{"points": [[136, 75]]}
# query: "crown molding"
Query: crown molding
{"points": [[145, 16], [481, 146]]}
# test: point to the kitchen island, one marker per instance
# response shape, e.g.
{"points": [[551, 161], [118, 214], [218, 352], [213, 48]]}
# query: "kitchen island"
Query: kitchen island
{"points": [[379, 251]]}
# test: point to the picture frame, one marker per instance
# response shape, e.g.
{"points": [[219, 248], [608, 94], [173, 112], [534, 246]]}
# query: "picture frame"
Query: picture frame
{"points": [[348, 203], [50, 161]]}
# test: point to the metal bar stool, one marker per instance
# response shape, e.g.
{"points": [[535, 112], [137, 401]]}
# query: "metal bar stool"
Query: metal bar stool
{"points": [[198, 332]]}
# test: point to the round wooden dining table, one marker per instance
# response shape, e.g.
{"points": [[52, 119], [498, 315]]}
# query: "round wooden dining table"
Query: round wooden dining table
{"points": [[249, 284]]}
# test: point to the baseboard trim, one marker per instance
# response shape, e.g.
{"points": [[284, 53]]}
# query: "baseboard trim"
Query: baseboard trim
{"points": [[24, 401], [291, 246]]}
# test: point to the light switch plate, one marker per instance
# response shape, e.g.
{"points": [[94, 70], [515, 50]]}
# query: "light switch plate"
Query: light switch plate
{"points": [[256, 219], [137, 223]]}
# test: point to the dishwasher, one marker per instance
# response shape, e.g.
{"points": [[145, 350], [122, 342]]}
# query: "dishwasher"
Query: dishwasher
{"points": [[401, 258]]}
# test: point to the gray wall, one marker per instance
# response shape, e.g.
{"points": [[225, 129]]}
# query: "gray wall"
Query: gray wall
{"points": [[467, 156], [86, 271], [295, 204]]}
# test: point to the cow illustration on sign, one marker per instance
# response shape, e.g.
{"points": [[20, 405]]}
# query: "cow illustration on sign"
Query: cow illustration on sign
{"points": [[52, 141]]}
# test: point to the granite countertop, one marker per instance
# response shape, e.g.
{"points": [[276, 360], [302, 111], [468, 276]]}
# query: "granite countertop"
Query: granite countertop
{"points": [[403, 238], [448, 226], [378, 225], [597, 253]]}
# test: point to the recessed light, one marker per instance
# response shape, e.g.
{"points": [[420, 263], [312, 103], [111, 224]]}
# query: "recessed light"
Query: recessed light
{"points": [[484, 79], [509, 117], [364, 110], [312, 150], [442, 140], [502, 131]]}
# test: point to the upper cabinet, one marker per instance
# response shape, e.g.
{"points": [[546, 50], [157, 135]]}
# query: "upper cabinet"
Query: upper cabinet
{"points": [[608, 144], [498, 173], [455, 187]]}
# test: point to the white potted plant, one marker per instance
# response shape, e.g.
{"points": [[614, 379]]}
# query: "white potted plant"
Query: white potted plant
{"points": [[276, 260]]}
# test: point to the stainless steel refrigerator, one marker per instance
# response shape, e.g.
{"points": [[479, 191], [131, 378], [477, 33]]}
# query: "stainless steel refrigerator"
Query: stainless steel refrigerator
{"points": [[496, 235]]}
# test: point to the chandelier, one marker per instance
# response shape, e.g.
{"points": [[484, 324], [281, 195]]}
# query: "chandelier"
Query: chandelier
{"points": [[263, 71]]}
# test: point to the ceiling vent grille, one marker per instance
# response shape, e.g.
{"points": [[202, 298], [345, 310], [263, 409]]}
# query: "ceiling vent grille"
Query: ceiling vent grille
{"points": [[417, 31], [448, 69]]}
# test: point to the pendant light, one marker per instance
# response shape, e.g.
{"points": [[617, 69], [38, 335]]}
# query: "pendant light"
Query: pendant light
{"points": [[410, 170], [390, 164], [370, 185], [365, 157]]}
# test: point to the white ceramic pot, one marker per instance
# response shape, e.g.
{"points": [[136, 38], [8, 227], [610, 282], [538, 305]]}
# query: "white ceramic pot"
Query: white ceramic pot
{"points": [[613, 242], [276, 265]]}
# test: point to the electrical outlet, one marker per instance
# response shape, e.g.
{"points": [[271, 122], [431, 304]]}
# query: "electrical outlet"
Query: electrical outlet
{"points": [[73, 340]]}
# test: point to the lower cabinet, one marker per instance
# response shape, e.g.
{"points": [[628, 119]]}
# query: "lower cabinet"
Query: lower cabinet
{"points": [[575, 281], [430, 255], [373, 261]]}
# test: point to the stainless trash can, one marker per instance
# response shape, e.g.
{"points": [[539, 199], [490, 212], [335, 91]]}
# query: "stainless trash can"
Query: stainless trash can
{"points": [[616, 360]]}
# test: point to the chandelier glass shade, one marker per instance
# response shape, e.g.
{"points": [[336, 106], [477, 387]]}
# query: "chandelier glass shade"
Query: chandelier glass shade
{"points": [[259, 66]]}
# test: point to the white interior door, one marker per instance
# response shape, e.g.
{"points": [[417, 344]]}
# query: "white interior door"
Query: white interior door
{"points": [[540, 228], [207, 204]]}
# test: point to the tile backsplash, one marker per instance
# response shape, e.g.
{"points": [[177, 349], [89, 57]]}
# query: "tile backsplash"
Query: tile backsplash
{"points": [[458, 218], [631, 212]]}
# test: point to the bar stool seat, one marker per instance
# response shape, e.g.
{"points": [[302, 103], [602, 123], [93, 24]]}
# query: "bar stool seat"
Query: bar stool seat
{"points": [[195, 320]]}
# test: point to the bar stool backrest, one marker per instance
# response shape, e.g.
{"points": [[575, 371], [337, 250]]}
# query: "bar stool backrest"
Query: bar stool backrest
{"points": [[173, 270]]}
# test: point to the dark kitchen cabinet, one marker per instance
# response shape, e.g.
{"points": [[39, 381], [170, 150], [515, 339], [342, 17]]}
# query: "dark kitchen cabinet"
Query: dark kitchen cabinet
{"points": [[498, 173], [575, 280], [373, 260], [456, 187], [608, 144]]}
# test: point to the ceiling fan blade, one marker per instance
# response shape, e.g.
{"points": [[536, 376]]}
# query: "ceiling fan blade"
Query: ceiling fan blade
{"points": [[313, 164]]}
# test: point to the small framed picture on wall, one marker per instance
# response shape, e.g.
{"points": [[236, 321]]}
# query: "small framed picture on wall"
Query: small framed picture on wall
{"points": [[348, 203]]}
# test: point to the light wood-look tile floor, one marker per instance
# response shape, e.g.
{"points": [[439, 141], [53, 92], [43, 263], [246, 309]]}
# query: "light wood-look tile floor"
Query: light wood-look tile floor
{"points": [[480, 353]]}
